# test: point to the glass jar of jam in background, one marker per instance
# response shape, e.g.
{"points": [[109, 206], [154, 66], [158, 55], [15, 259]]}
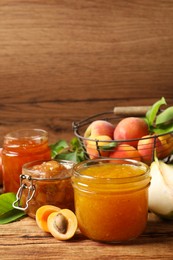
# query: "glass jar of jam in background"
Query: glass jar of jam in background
{"points": [[111, 198], [43, 183], [20, 147]]}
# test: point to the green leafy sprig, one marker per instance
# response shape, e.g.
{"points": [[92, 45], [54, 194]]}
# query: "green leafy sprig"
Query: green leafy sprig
{"points": [[160, 121], [63, 151]]}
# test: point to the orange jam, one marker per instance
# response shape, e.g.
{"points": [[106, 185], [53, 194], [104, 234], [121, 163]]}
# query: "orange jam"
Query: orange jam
{"points": [[111, 199], [45, 183], [20, 147]]}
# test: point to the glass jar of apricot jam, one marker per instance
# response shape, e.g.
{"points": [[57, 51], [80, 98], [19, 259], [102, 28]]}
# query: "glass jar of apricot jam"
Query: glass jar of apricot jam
{"points": [[20, 147], [111, 198], [45, 183]]}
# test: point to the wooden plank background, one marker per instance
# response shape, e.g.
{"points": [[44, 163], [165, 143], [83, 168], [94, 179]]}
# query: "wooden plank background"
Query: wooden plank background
{"points": [[62, 61]]}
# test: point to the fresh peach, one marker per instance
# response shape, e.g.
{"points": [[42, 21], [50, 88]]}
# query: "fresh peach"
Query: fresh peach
{"points": [[125, 151], [167, 145], [94, 145], [131, 128], [146, 147], [99, 127]]}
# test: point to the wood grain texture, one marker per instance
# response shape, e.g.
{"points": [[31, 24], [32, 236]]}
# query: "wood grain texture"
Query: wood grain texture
{"points": [[62, 61], [24, 240]]}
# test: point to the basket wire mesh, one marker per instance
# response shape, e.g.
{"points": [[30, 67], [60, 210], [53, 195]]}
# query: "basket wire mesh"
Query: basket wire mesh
{"points": [[80, 127]]}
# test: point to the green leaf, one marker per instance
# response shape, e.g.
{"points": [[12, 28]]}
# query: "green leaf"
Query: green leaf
{"points": [[108, 146], [163, 129], [152, 112], [75, 143], [71, 156], [58, 147], [63, 151], [11, 215], [6, 201], [165, 116], [7, 212]]}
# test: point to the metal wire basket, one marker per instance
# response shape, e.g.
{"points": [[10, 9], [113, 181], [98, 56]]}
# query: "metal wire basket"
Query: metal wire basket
{"points": [[104, 148]]}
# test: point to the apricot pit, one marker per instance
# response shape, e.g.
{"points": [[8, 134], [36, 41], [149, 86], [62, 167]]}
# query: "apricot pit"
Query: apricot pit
{"points": [[62, 224]]}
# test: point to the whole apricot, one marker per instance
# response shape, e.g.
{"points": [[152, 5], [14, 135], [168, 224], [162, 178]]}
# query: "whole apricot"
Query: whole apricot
{"points": [[99, 127], [125, 151], [131, 128], [146, 147]]}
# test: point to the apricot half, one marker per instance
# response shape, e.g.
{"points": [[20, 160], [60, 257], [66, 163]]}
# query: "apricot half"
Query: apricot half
{"points": [[62, 224], [42, 215]]}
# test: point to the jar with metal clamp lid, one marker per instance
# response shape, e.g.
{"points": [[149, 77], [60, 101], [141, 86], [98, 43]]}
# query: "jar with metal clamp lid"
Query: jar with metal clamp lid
{"points": [[43, 183]]}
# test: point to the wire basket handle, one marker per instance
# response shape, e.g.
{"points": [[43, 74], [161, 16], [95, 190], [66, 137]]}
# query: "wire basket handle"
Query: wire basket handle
{"points": [[131, 111]]}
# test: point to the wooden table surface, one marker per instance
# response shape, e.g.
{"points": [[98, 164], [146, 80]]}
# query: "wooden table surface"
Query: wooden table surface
{"points": [[24, 240], [62, 61]]}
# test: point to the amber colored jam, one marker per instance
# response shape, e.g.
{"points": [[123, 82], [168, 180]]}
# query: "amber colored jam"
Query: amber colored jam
{"points": [[52, 183], [111, 200], [21, 147]]}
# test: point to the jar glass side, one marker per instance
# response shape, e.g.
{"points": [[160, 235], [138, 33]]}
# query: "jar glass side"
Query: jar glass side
{"points": [[20, 147], [111, 209]]}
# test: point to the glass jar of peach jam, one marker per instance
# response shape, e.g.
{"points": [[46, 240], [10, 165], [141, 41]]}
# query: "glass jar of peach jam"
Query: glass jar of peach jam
{"points": [[19, 147], [111, 198], [45, 182]]}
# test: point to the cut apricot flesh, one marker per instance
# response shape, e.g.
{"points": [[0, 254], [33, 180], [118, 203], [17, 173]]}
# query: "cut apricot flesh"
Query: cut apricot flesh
{"points": [[62, 224], [42, 215]]}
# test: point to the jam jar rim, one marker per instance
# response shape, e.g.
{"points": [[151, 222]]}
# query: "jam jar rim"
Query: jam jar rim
{"points": [[30, 177], [113, 180], [15, 135]]}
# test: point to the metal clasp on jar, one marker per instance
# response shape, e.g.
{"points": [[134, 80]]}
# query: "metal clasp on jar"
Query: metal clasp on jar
{"points": [[26, 182]]}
